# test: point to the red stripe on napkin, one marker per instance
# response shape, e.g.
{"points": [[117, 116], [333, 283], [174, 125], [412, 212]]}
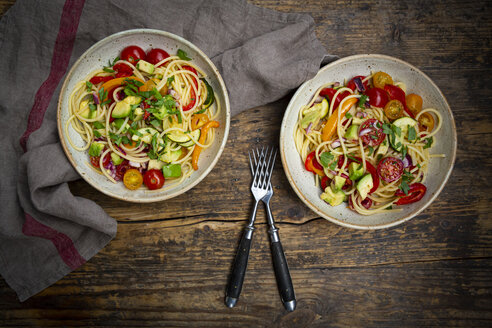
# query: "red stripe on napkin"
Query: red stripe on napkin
{"points": [[69, 23], [62, 242]]}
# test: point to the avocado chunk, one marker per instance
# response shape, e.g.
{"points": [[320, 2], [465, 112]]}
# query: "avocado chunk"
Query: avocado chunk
{"points": [[171, 171], [403, 124], [356, 170], [96, 149], [124, 107], [365, 185], [333, 198], [85, 111], [117, 160], [313, 114], [145, 66], [352, 132], [337, 183]]}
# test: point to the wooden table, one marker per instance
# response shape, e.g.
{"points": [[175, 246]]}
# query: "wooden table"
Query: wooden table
{"points": [[169, 262]]}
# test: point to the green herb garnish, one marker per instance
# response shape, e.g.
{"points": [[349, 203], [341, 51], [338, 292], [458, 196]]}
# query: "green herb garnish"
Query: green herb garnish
{"points": [[183, 55]]}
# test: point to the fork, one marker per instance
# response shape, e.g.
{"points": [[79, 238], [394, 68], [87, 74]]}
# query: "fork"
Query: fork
{"points": [[282, 274], [259, 189]]}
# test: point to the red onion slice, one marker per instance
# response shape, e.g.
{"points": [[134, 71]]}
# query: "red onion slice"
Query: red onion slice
{"points": [[308, 129], [337, 143], [407, 161], [364, 131], [359, 84], [318, 99], [96, 98], [134, 164]]}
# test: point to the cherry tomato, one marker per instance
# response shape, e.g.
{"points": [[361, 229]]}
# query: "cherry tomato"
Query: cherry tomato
{"points": [[377, 97], [353, 86], [95, 161], [415, 193], [380, 79], [393, 110], [312, 165], [122, 70], [426, 121], [375, 135], [414, 103], [330, 92], [325, 182], [396, 93], [390, 169], [156, 55], [154, 179], [133, 54], [132, 179], [98, 79]]}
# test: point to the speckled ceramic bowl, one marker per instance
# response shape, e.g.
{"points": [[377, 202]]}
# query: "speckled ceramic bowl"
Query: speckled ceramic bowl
{"points": [[109, 48], [417, 82]]}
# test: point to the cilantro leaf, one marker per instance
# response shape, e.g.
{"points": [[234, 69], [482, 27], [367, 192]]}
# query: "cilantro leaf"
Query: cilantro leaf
{"points": [[97, 134], [108, 70], [170, 80], [348, 115], [353, 158], [362, 101], [428, 142], [412, 134], [371, 150], [183, 55], [404, 187], [98, 125], [325, 158], [88, 85]]}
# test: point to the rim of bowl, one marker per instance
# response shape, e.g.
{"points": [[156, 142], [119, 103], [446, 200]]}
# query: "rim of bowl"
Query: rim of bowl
{"points": [[362, 226], [180, 40]]}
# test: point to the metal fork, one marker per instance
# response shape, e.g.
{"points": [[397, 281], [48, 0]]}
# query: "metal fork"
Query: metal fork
{"points": [[259, 189], [282, 274]]}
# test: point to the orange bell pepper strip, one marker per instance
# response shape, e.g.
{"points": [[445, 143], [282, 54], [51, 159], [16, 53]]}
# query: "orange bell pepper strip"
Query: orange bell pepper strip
{"points": [[203, 136], [110, 85], [331, 125], [198, 120]]}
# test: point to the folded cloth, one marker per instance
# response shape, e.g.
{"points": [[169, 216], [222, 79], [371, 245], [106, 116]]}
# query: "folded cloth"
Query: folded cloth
{"points": [[46, 232]]}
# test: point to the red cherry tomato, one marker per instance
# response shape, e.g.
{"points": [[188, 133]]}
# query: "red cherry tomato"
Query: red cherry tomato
{"points": [[396, 93], [325, 182], [352, 84], [95, 160], [122, 70], [156, 55], [390, 169], [375, 135], [330, 92], [377, 97], [153, 179], [415, 193], [98, 79], [133, 54]]}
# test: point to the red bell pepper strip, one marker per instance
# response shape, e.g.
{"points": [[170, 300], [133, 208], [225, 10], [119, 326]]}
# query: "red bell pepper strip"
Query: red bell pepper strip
{"points": [[98, 79], [312, 165], [415, 193]]}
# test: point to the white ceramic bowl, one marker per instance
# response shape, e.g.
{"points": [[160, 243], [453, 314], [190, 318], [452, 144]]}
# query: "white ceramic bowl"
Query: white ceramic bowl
{"points": [[109, 48], [416, 81]]}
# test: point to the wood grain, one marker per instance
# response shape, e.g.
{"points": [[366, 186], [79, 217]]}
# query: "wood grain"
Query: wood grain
{"points": [[169, 262]]}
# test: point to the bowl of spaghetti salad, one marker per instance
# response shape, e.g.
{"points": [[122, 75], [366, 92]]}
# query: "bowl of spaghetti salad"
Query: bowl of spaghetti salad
{"points": [[143, 115], [369, 142]]}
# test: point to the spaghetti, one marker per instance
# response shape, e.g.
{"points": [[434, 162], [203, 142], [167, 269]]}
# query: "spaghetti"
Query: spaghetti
{"points": [[367, 143], [144, 114]]}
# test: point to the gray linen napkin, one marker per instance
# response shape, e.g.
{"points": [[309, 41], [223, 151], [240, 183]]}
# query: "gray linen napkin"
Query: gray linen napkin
{"points": [[46, 232]]}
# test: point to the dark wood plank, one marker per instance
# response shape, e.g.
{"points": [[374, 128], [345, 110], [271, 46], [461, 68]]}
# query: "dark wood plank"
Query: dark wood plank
{"points": [[169, 263]]}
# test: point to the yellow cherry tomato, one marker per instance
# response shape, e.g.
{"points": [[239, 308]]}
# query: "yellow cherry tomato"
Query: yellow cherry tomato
{"points": [[414, 103], [132, 179], [393, 109], [380, 79], [426, 121]]}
